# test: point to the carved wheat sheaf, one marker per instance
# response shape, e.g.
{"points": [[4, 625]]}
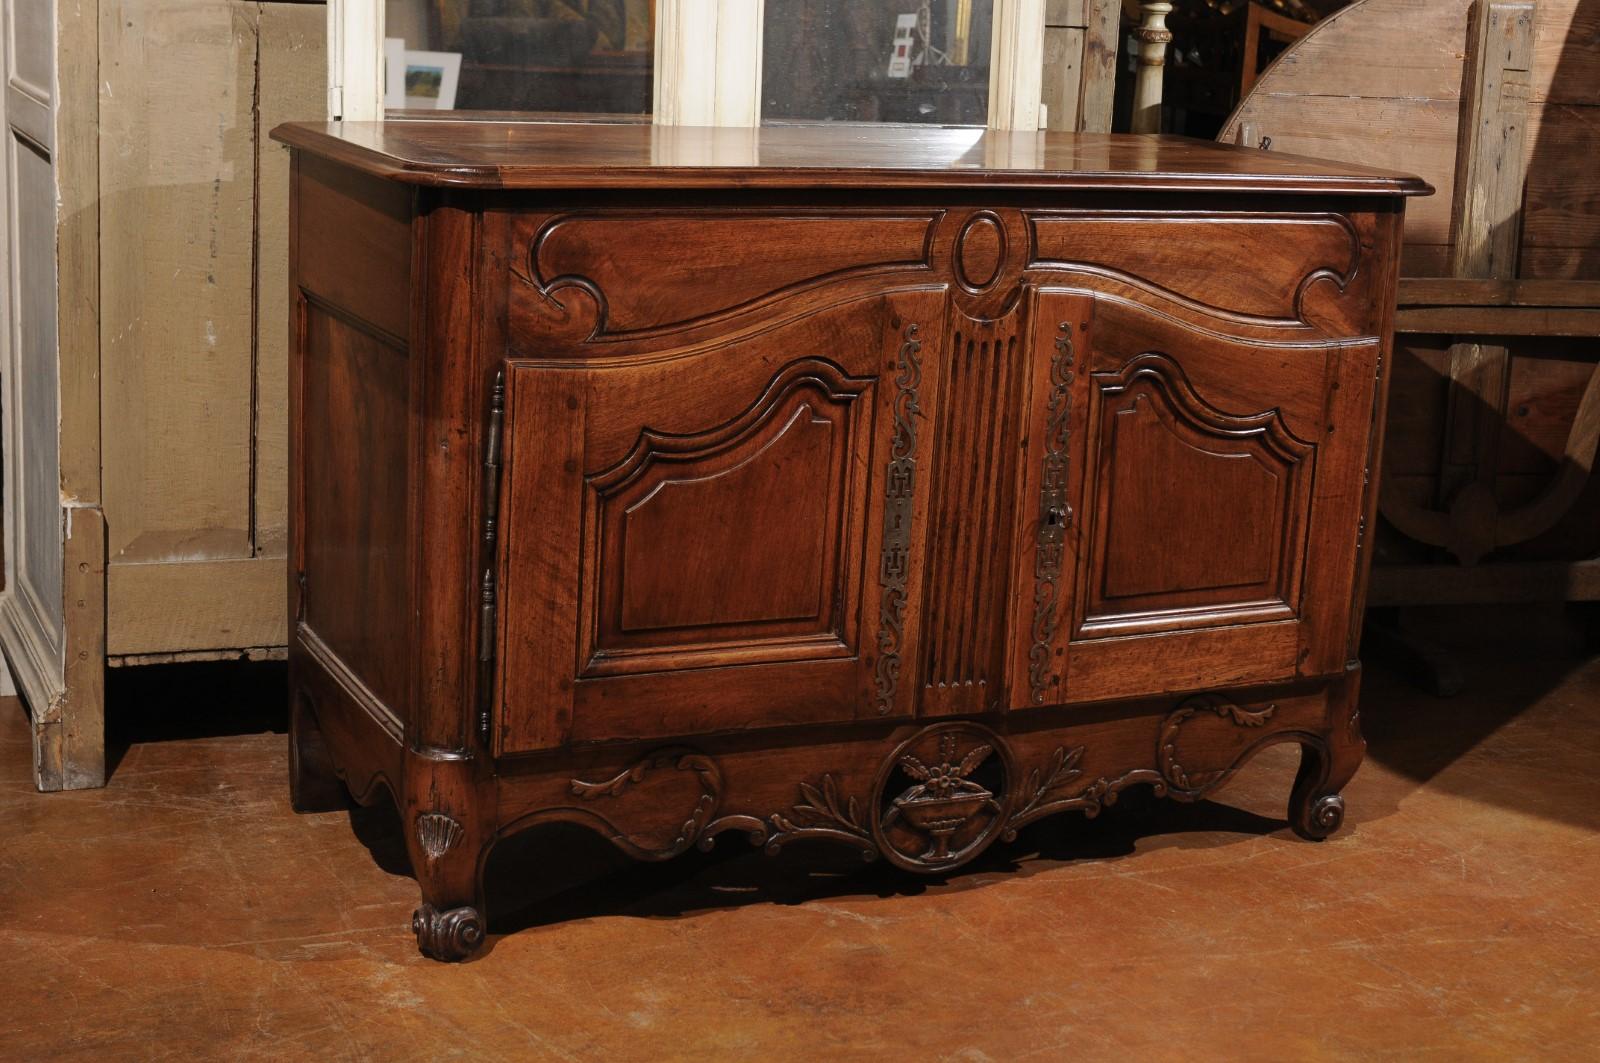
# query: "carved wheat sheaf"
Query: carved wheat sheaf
{"points": [[898, 508], [1054, 514]]}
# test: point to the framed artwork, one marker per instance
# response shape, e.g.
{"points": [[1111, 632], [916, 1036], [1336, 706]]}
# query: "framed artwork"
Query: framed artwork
{"points": [[428, 80], [394, 73]]}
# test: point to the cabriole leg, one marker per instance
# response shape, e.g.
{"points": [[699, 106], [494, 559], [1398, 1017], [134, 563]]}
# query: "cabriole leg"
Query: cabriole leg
{"points": [[1316, 808], [445, 840]]}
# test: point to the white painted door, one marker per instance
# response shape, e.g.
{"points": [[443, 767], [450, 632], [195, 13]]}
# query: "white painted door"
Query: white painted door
{"points": [[43, 598]]}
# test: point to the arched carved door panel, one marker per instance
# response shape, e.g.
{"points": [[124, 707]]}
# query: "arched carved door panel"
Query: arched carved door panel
{"points": [[1180, 525], [729, 535]]}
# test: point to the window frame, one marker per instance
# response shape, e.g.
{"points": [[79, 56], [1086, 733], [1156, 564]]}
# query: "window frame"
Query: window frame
{"points": [[707, 62]]}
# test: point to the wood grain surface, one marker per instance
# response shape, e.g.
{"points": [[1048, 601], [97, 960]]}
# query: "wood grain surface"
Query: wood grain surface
{"points": [[897, 517]]}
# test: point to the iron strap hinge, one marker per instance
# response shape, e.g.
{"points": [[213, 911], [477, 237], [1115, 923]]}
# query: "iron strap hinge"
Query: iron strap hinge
{"points": [[486, 588]]}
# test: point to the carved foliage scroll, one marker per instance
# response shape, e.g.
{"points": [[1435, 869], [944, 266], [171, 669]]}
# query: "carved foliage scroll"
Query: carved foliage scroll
{"points": [[1289, 271], [1192, 782], [940, 797], [1055, 513], [603, 275], [695, 765], [899, 504]]}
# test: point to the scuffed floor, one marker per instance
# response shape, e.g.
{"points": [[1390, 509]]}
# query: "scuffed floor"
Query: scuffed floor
{"points": [[184, 912]]}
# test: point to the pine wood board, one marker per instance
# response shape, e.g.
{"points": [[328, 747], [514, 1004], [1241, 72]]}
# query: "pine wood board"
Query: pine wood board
{"points": [[177, 234], [194, 234], [293, 72], [205, 605], [1380, 83]]}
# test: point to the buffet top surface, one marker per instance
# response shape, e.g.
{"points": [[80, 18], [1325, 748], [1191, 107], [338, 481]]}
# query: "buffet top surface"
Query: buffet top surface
{"points": [[561, 154]]}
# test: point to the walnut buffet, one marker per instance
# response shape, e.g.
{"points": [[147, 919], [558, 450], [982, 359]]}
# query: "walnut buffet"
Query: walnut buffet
{"points": [[892, 488]]}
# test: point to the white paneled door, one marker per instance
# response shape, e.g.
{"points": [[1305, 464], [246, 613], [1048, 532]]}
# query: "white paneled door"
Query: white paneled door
{"points": [[54, 533]]}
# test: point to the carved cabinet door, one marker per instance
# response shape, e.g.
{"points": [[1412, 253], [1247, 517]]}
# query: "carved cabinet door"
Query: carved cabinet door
{"points": [[1192, 502], [722, 534]]}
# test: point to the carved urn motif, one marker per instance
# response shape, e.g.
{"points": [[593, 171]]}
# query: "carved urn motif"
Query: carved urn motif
{"points": [[957, 778]]}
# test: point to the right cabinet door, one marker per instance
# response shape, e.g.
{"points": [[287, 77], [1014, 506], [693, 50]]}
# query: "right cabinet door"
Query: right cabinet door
{"points": [[1192, 502]]}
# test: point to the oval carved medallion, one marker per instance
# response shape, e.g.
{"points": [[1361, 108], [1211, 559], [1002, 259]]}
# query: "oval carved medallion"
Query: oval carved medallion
{"points": [[980, 250]]}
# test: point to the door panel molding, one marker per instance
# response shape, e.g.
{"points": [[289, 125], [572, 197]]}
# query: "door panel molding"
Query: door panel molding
{"points": [[52, 611]]}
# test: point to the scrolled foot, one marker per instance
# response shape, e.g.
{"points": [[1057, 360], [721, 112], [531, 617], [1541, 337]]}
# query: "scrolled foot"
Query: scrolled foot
{"points": [[451, 935], [1318, 818]]}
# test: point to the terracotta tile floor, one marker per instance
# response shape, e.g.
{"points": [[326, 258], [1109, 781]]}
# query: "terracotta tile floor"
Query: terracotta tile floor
{"points": [[184, 912]]}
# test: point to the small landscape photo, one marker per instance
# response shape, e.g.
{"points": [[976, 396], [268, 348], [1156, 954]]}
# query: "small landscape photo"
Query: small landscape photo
{"points": [[424, 81], [429, 82]]}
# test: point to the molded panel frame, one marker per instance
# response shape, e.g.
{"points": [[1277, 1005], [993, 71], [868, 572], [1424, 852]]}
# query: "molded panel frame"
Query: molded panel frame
{"points": [[610, 645], [567, 682], [1146, 382]]}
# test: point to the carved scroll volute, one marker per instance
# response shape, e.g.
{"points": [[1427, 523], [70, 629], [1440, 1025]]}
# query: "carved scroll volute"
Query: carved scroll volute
{"points": [[1052, 476]]}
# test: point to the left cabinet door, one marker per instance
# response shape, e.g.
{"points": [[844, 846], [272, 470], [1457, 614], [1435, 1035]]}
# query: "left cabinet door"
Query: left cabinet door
{"points": [[720, 536]]}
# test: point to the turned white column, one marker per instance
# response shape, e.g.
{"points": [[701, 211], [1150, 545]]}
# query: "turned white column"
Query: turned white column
{"points": [[1153, 37]]}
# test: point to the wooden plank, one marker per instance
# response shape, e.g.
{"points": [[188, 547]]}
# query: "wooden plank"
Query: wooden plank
{"points": [[1098, 76], [195, 289], [203, 605], [1485, 231], [1473, 291], [1562, 207], [1424, 260], [1566, 63], [1500, 320], [1560, 262], [1414, 135], [1408, 49], [1063, 76], [248, 653], [177, 219], [75, 159], [1490, 159], [1547, 389], [78, 758], [293, 72]]}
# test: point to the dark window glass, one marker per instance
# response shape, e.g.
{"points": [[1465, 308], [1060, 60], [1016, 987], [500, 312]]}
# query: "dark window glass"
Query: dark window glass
{"points": [[877, 61], [585, 56]]}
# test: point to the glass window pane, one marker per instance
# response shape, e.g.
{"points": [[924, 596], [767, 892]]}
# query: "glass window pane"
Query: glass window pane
{"points": [[585, 56], [877, 61]]}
